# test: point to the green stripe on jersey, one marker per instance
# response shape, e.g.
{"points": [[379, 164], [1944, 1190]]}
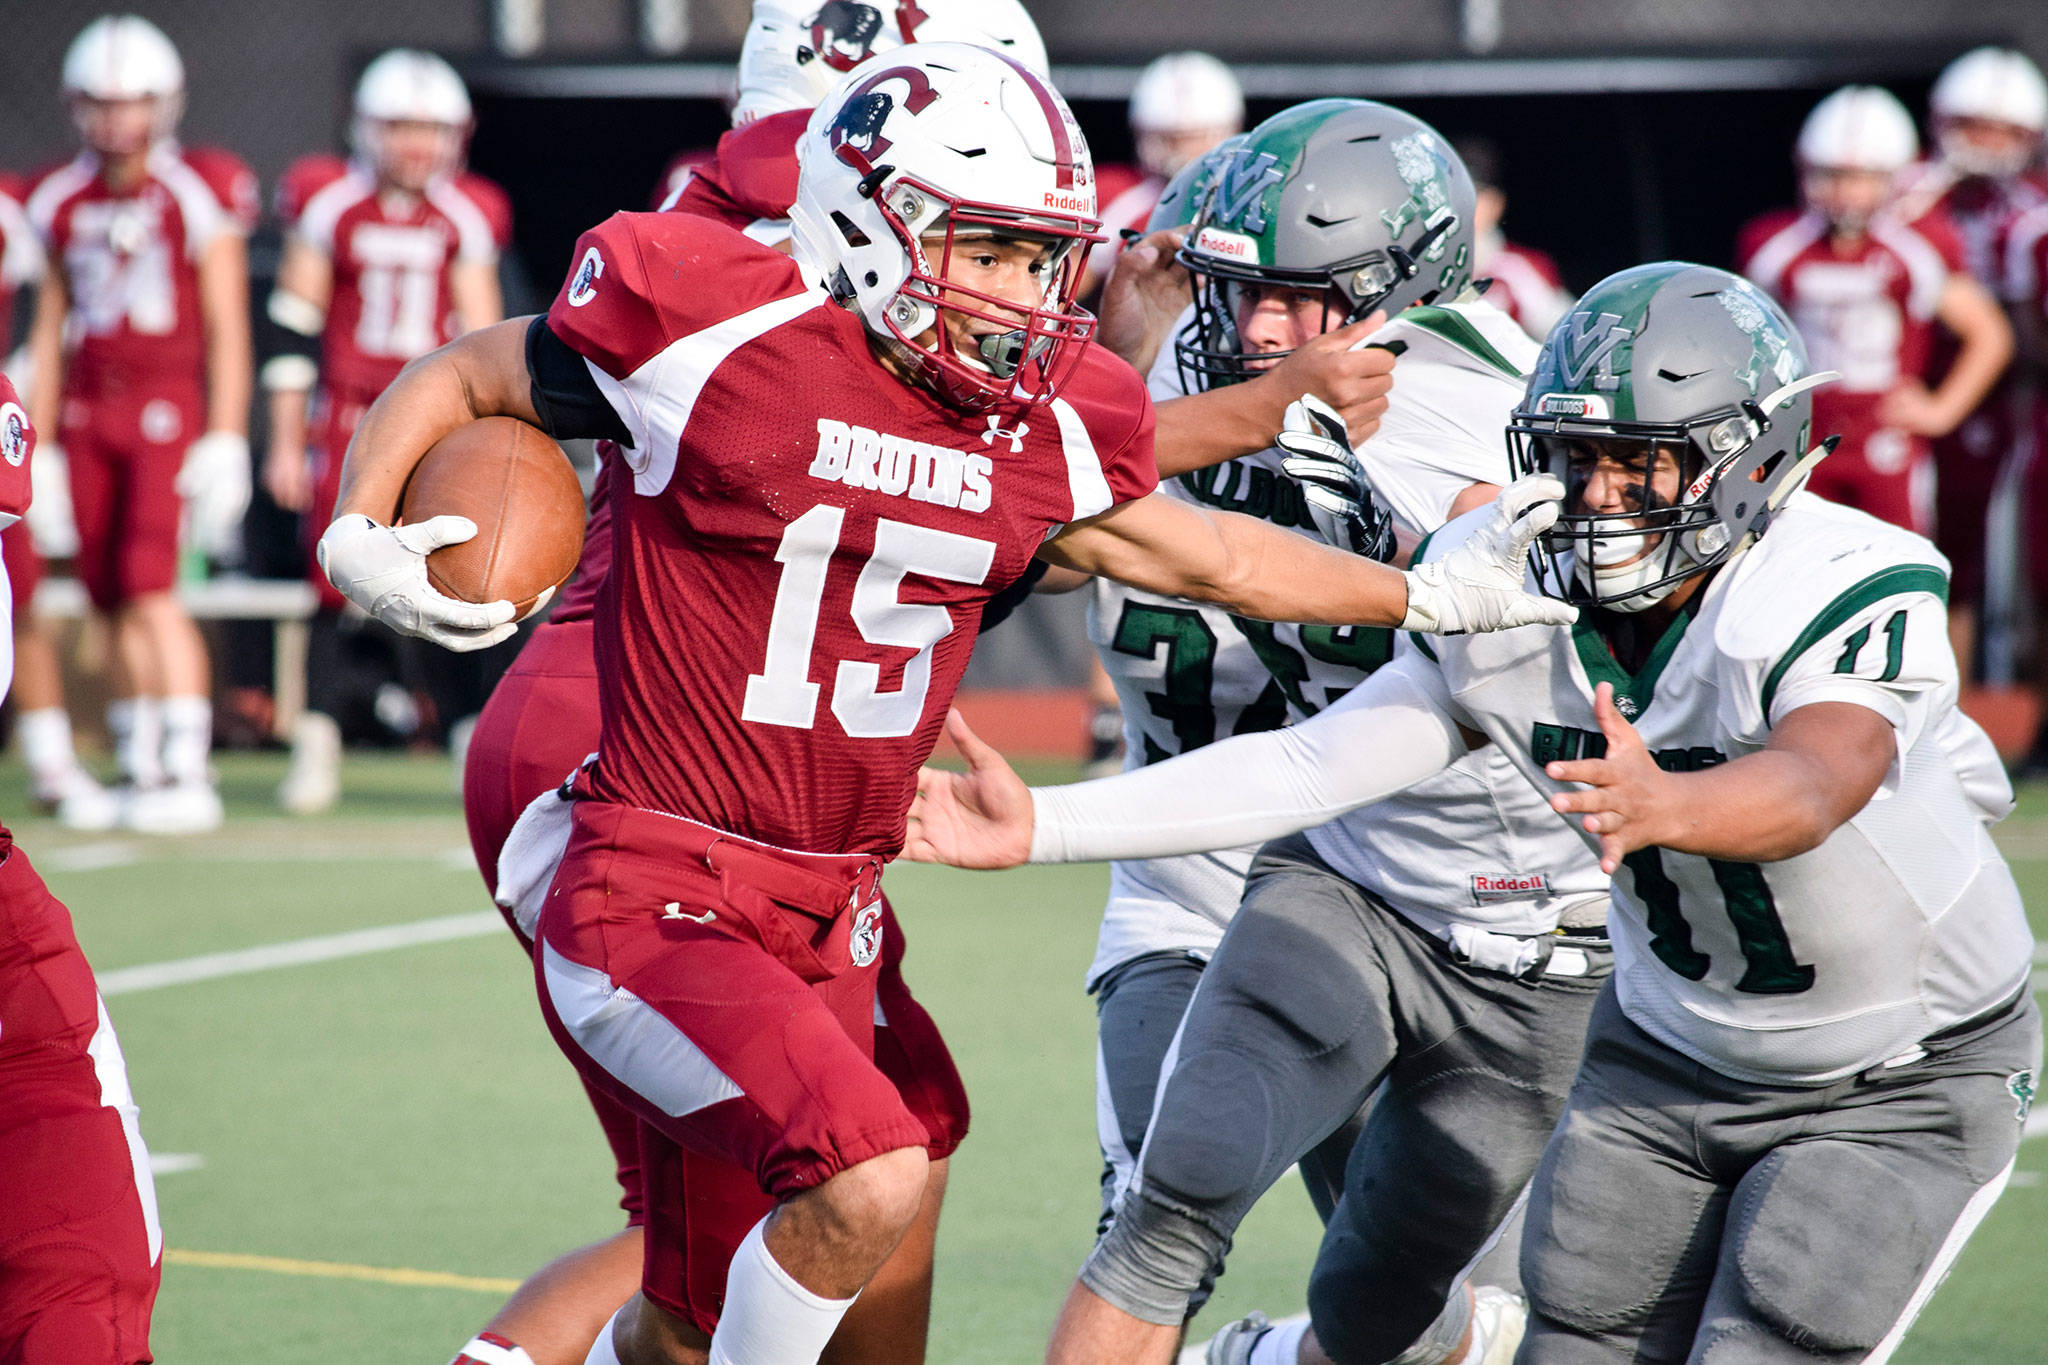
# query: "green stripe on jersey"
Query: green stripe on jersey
{"points": [[1633, 693], [1456, 329], [1414, 558], [1894, 581]]}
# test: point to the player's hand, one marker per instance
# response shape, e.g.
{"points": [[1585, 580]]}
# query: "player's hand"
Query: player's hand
{"points": [[383, 570], [1333, 483], [51, 524], [1147, 290], [214, 482], [1911, 408], [1339, 368], [288, 479], [981, 818], [1481, 585], [1627, 797]]}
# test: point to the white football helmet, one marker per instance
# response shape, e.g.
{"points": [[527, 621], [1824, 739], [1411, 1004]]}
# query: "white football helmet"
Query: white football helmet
{"points": [[124, 57], [404, 86], [1183, 104], [953, 142], [1859, 127], [1997, 85], [795, 51]]}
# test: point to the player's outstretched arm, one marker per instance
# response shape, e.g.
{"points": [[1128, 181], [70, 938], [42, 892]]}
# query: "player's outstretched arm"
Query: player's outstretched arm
{"points": [[1824, 762], [1165, 546], [381, 568], [1242, 790], [1220, 424]]}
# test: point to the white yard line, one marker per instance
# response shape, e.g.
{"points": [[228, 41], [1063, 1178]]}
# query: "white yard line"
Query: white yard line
{"points": [[175, 1163], [298, 952]]}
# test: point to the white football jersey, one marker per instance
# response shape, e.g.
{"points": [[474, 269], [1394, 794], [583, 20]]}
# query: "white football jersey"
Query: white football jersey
{"points": [[1472, 845], [1904, 921]]}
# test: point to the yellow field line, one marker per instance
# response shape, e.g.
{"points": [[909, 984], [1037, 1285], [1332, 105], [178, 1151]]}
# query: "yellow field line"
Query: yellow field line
{"points": [[339, 1270]]}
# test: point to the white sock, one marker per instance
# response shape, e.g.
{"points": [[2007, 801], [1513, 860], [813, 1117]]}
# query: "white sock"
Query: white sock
{"points": [[137, 725], [488, 1348], [188, 738], [601, 1351], [46, 742], [770, 1319], [1281, 1345]]}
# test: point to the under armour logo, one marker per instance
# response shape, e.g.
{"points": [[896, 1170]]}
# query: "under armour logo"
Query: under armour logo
{"points": [[674, 910], [1015, 435]]}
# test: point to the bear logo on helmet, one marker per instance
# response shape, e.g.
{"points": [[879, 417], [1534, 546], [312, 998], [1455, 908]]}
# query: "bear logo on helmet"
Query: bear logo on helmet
{"points": [[843, 34]]}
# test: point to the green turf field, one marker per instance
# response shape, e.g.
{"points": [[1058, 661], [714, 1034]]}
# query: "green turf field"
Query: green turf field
{"points": [[321, 1123]]}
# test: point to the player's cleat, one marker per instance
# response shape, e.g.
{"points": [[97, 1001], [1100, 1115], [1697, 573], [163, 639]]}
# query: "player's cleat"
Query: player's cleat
{"points": [[180, 808], [313, 782], [1233, 1345], [77, 800], [1498, 1320]]}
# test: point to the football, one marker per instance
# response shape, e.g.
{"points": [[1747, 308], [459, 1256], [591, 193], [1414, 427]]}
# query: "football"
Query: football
{"points": [[518, 487]]}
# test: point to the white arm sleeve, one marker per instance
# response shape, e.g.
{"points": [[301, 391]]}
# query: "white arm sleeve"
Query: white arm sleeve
{"points": [[1392, 731]]}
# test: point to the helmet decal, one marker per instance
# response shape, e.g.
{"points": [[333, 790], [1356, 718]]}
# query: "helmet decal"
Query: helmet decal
{"points": [[908, 17], [1419, 161], [1238, 197], [843, 34], [1771, 351], [1594, 340], [860, 120]]}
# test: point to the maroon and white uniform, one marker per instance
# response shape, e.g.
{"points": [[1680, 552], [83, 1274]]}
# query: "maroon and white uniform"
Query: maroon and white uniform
{"points": [[2026, 289], [1867, 310], [21, 263], [135, 367], [1978, 506], [391, 301], [750, 181], [803, 545], [79, 1238], [1526, 285]]}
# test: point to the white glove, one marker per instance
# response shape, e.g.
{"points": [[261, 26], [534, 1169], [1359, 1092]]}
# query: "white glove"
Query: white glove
{"points": [[1479, 585], [383, 570], [50, 523], [1333, 481], [214, 482]]}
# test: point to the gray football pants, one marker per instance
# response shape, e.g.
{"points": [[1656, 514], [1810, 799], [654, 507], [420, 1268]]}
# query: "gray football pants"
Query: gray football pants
{"points": [[1316, 995], [1679, 1215]]}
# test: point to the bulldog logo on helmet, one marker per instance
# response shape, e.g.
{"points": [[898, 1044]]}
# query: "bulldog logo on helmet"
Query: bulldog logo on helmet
{"points": [[842, 34], [860, 120]]}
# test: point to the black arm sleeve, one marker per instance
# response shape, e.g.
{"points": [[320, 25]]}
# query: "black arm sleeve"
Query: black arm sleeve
{"points": [[998, 608], [570, 404]]}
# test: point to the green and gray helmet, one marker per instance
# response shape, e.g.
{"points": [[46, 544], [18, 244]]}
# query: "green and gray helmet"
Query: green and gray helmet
{"points": [[1670, 357], [1340, 195], [1182, 198]]}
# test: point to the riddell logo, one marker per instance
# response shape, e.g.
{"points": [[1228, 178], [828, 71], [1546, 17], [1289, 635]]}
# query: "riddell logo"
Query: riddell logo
{"points": [[1489, 887], [1231, 244], [1069, 203]]}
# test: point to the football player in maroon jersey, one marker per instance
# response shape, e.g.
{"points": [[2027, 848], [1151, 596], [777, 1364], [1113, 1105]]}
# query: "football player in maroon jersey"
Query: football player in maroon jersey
{"points": [[832, 462], [142, 368], [79, 1238], [387, 255]]}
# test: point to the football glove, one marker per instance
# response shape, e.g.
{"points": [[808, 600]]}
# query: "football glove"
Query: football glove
{"points": [[1479, 586], [51, 524], [214, 482], [1333, 481], [383, 570]]}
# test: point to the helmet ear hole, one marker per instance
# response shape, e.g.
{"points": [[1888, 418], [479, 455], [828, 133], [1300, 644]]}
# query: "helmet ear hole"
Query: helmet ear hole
{"points": [[853, 235]]}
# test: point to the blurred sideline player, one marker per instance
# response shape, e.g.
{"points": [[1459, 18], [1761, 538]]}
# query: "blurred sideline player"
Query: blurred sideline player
{"points": [[387, 255], [1867, 291], [796, 50], [1183, 104], [1526, 284], [1819, 1045], [58, 782], [142, 368], [542, 722], [939, 292], [1987, 113], [1307, 1002], [79, 1238], [2027, 294]]}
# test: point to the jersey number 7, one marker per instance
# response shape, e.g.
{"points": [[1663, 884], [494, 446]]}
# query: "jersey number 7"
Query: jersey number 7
{"points": [[782, 693]]}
